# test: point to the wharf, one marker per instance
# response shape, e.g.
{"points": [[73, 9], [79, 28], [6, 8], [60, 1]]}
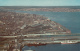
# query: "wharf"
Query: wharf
{"points": [[19, 41]]}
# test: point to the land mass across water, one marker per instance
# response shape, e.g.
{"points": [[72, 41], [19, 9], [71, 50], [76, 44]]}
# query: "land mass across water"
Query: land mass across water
{"points": [[53, 9]]}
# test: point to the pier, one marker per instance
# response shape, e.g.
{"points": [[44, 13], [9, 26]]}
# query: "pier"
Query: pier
{"points": [[17, 42]]}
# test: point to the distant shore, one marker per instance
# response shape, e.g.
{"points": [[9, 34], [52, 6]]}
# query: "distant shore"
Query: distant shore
{"points": [[53, 9]]}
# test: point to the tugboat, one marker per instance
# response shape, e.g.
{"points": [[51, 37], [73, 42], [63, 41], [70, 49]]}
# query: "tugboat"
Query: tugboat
{"points": [[68, 42]]}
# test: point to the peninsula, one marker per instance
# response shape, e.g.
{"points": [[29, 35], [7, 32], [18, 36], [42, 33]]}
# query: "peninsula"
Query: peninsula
{"points": [[22, 23]]}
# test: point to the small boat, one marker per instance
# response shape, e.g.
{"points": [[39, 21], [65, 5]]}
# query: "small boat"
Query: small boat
{"points": [[68, 42], [29, 50]]}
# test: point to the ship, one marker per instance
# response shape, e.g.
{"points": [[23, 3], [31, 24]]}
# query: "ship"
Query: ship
{"points": [[29, 50], [36, 44], [68, 42]]}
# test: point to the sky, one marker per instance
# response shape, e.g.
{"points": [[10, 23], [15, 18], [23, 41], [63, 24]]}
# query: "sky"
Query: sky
{"points": [[39, 2]]}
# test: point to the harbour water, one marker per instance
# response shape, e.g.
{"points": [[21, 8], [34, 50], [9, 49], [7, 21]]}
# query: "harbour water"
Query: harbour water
{"points": [[70, 20], [55, 47]]}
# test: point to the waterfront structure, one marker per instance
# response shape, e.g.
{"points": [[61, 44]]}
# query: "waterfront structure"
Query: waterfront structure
{"points": [[18, 42], [68, 42]]}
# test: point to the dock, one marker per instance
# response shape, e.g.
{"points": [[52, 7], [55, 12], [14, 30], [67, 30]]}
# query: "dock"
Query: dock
{"points": [[19, 41]]}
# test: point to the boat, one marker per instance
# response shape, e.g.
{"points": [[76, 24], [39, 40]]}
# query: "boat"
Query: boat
{"points": [[29, 50], [68, 42], [36, 44]]}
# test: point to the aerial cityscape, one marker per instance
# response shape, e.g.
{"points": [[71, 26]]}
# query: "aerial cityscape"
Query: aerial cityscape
{"points": [[24, 29], [39, 25]]}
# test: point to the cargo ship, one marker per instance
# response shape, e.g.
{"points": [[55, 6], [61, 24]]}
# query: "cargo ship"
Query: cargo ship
{"points": [[68, 42], [36, 44]]}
